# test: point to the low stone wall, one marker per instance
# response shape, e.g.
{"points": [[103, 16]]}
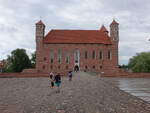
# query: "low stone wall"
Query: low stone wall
{"points": [[121, 74], [27, 74], [29, 70], [12, 75]]}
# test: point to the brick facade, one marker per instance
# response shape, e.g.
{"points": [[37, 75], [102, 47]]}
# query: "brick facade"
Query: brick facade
{"points": [[95, 56]]}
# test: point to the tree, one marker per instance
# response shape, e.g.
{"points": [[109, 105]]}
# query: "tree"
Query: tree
{"points": [[17, 61], [140, 62]]}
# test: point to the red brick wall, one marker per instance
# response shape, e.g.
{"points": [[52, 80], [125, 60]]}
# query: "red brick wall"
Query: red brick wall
{"points": [[107, 64]]}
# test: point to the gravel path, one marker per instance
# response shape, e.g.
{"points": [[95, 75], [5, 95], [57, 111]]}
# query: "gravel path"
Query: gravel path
{"points": [[85, 94]]}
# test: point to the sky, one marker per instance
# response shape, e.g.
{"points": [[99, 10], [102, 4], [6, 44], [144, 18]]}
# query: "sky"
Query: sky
{"points": [[18, 18]]}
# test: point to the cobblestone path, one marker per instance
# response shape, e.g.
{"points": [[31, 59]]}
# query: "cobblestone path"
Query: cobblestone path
{"points": [[84, 94]]}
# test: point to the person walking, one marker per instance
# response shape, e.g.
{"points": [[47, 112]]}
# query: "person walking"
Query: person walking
{"points": [[51, 75], [70, 75], [58, 82]]}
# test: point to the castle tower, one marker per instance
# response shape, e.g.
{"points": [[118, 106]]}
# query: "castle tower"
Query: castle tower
{"points": [[39, 35], [114, 35], [40, 31], [114, 31]]}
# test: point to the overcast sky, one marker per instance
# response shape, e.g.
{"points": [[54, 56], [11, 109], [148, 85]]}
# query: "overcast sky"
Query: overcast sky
{"points": [[18, 18]]}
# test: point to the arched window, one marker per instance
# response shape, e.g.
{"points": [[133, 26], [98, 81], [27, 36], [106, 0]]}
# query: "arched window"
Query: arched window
{"points": [[51, 67], [51, 56], [101, 55], [86, 54], [93, 55], [59, 56], [93, 67], [86, 67], [44, 58], [76, 56], [43, 66], [67, 58], [101, 67], [66, 67], [109, 55]]}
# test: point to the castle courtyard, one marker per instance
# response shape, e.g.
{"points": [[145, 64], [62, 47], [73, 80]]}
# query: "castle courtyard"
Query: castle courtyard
{"points": [[84, 94]]}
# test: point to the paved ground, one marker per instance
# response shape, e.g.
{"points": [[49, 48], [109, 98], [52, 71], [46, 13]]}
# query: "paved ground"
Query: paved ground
{"points": [[85, 94]]}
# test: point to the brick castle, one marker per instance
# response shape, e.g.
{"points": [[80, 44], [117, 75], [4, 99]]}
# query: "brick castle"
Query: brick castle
{"points": [[90, 50]]}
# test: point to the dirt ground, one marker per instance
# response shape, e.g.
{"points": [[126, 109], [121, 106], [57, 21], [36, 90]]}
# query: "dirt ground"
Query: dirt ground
{"points": [[84, 94]]}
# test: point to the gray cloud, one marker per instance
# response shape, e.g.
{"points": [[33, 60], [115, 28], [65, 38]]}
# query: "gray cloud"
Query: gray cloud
{"points": [[18, 18]]}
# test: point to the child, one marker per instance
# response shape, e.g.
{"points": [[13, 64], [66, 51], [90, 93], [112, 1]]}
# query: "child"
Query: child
{"points": [[51, 75], [70, 75]]}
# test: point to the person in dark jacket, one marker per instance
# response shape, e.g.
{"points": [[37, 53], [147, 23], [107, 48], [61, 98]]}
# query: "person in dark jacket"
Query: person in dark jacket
{"points": [[58, 82]]}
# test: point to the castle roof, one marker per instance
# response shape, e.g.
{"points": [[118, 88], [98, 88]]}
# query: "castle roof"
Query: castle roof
{"points": [[77, 37], [40, 23], [103, 29], [114, 22]]}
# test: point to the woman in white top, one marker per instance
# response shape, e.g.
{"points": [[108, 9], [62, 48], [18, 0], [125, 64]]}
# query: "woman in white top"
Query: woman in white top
{"points": [[51, 75]]}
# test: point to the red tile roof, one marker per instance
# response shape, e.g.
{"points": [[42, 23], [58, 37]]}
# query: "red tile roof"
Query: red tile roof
{"points": [[103, 29], [77, 36], [114, 22]]}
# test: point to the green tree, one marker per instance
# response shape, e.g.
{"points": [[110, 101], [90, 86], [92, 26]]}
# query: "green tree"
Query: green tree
{"points": [[140, 62], [17, 61]]}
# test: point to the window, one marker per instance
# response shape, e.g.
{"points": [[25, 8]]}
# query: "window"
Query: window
{"points": [[86, 67], [66, 67], [76, 56], [101, 55], [100, 67], [58, 67], [93, 67], [67, 58], [109, 54], [86, 54], [59, 55], [93, 55], [44, 58], [43, 66], [51, 56], [51, 67]]}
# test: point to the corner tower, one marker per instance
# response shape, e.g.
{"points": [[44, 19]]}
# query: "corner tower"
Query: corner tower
{"points": [[114, 35], [39, 35], [114, 31], [40, 31]]}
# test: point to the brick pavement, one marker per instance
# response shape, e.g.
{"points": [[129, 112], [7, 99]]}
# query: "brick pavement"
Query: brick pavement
{"points": [[85, 94]]}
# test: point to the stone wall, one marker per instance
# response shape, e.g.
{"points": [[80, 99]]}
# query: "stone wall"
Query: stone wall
{"points": [[11, 75], [29, 71], [19, 75], [126, 74]]}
